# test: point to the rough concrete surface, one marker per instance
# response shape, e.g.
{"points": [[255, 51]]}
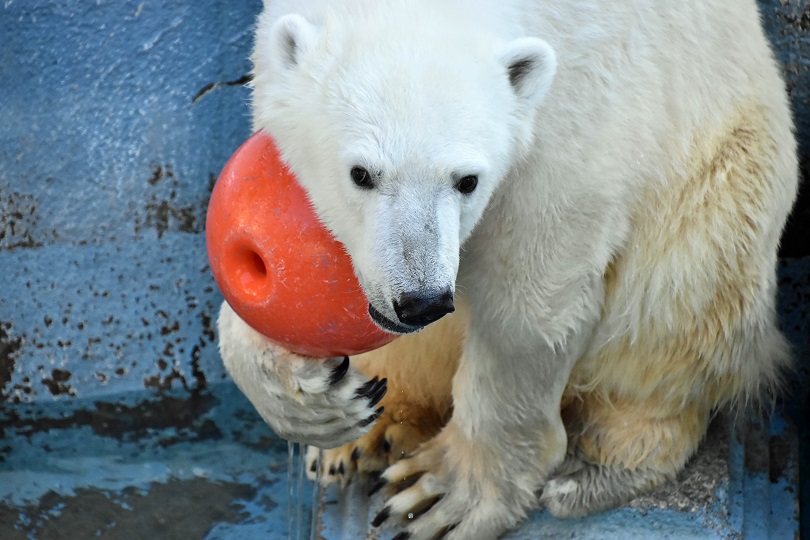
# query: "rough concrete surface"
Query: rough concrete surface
{"points": [[117, 117], [141, 466]]}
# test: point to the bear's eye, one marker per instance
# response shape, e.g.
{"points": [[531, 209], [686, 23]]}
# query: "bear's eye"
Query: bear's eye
{"points": [[362, 178], [467, 184]]}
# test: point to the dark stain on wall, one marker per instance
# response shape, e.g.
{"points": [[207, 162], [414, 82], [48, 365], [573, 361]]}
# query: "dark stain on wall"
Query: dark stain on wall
{"points": [[157, 175], [799, 20], [126, 423], [9, 346], [165, 215], [164, 382], [162, 211], [196, 370], [208, 326], [176, 509], [18, 220], [58, 384]]}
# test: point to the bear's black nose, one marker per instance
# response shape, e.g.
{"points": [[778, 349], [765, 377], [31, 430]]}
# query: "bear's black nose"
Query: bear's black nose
{"points": [[421, 308]]}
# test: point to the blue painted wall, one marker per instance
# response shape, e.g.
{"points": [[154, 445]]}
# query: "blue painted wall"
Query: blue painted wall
{"points": [[116, 118]]}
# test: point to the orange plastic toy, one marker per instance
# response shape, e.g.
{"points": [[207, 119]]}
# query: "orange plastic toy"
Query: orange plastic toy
{"points": [[277, 266]]}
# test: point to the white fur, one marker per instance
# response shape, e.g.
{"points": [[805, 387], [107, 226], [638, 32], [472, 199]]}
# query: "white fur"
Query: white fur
{"points": [[418, 93], [293, 394]]}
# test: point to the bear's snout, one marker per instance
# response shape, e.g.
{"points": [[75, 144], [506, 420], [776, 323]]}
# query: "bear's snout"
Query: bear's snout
{"points": [[421, 308]]}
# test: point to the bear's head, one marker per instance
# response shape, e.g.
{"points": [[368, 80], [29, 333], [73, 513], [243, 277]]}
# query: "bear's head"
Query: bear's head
{"points": [[400, 126]]}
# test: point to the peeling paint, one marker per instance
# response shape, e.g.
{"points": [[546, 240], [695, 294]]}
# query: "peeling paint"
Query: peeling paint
{"points": [[164, 215], [9, 346], [57, 383], [120, 421], [176, 509], [218, 464], [165, 382], [18, 222]]}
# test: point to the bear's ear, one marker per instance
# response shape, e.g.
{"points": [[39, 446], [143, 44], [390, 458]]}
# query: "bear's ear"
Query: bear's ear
{"points": [[290, 38], [531, 64]]}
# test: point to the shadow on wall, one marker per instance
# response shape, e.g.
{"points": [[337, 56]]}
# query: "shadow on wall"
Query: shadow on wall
{"points": [[788, 27]]}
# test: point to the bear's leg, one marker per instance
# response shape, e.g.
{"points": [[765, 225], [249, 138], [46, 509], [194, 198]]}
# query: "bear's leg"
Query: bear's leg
{"points": [[392, 437], [479, 476], [621, 454], [419, 369], [594, 488]]}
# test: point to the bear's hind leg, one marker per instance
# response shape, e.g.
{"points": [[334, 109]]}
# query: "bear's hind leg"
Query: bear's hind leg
{"points": [[595, 488], [688, 323], [621, 454]]}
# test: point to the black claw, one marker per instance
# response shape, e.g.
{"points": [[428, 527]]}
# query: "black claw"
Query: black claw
{"points": [[404, 535], [444, 531], [372, 418], [355, 454], [424, 507], [366, 389], [381, 517], [406, 482], [339, 371], [379, 392], [341, 469], [314, 466], [377, 486]]}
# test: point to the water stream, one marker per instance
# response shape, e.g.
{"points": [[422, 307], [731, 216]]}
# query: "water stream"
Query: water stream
{"points": [[296, 470], [290, 454]]}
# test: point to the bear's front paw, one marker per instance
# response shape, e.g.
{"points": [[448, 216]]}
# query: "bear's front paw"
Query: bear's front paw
{"points": [[449, 490], [320, 401], [329, 402], [402, 427]]}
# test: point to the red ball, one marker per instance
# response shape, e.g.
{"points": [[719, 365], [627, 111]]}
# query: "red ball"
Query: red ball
{"points": [[280, 270]]}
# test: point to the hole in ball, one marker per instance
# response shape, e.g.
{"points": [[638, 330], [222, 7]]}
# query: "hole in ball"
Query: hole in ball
{"points": [[258, 265], [249, 270]]}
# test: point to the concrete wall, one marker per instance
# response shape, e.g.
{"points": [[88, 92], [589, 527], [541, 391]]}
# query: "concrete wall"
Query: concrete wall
{"points": [[116, 118]]}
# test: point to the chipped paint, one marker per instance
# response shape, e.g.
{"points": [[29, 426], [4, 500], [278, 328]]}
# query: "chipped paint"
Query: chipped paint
{"points": [[9, 347], [107, 170], [18, 218], [176, 509], [136, 467]]}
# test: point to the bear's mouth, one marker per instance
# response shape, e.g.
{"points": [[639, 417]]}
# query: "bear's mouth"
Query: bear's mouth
{"points": [[390, 326]]}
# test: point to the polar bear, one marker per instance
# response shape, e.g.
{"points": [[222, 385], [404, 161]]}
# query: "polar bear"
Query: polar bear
{"points": [[570, 210]]}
